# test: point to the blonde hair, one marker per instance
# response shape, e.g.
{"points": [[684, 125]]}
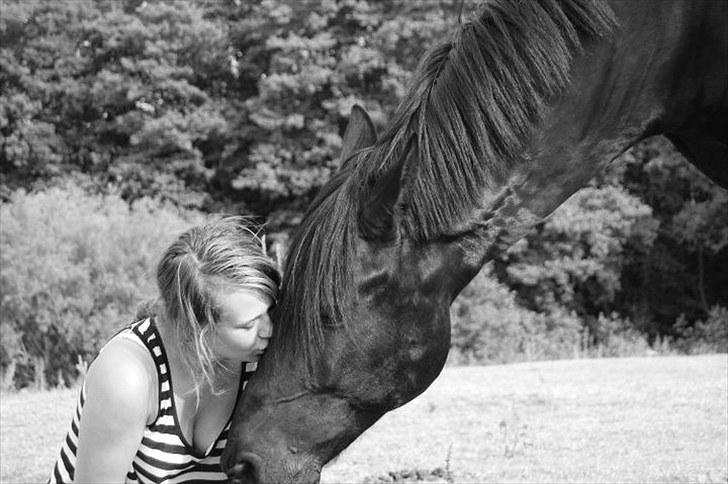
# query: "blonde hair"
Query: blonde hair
{"points": [[225, 253]]}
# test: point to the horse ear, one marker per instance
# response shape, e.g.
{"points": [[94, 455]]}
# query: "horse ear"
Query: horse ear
{"points": [[360, 133], [376, 211]]}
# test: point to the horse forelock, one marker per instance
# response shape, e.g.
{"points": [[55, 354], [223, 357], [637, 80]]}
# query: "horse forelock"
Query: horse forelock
{"points": [[317, 281]]}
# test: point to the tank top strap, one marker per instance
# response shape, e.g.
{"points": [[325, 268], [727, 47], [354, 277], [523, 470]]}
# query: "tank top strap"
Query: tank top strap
{"points": [[146, 332]]}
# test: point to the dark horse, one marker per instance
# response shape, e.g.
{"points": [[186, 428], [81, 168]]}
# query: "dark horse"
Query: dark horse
{"points": [[517, 110]]}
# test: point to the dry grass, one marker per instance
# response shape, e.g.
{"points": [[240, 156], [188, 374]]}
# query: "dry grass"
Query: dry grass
{"points": [[611, 420], [32, 426], [608, 420]]}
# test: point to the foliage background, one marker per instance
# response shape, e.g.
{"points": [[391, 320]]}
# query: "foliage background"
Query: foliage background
{"points": [[123, 122]]}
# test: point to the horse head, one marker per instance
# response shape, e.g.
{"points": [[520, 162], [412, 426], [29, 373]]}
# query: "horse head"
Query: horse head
{"points": [[314, 393]]}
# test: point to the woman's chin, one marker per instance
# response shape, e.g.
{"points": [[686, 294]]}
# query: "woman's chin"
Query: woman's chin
{"points": [[254, 357]]}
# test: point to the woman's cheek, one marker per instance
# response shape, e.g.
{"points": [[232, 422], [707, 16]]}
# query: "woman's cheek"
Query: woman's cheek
{"points": [[245, 339]]}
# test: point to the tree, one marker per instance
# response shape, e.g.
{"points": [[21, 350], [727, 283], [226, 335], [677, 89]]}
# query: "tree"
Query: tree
{"points": [[685, 271], [576, 258], [234, 105], [310, 62], [112, 93]]}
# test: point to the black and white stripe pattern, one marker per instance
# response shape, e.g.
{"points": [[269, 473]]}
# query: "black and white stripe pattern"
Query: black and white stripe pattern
{"points": [[164, 455], [66, 463]]}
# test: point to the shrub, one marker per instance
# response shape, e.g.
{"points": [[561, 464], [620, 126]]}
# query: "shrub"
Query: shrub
{"points": [[615, 336], [488, 326], [708, 336], [74, 266]]}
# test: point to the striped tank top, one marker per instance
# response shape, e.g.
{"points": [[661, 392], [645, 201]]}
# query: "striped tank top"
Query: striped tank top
{"points": [[164, 455]]}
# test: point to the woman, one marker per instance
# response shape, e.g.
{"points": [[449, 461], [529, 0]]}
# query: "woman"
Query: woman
{"points": [[157, 402]]}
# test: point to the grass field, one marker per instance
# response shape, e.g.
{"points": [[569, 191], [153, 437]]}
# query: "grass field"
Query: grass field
{"points": [[662, 419]]}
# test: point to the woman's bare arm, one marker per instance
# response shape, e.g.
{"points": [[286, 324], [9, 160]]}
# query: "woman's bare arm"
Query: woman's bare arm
{"points": [[120, 386]]}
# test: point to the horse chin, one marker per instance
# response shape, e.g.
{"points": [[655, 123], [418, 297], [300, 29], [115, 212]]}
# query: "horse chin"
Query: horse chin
{"points": [[309, 475], [295, 471]]}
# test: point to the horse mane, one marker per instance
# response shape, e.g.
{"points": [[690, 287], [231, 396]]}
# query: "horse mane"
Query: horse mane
{"points": [[472, 103], [475, 99]]}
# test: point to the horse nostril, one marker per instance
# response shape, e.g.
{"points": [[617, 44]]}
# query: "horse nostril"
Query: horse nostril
{"points": [[242, 473], [245, 471]]}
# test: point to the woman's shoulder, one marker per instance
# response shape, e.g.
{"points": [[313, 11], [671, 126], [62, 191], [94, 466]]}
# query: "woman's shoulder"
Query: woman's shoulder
{"points": [[123, 374]]}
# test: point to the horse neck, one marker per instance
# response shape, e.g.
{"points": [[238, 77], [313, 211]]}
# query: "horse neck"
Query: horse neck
{"points": [[617, 96]]}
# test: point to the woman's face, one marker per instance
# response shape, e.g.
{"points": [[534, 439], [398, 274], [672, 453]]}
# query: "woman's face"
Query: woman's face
{"points": [[243, 328]]}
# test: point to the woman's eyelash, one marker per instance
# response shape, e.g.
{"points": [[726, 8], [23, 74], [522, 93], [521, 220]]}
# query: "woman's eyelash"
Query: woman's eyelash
{"points": [[250, 323]]}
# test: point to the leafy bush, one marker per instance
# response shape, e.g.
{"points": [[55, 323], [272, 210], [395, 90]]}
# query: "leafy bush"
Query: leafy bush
{"points": [[615, 336], [74, 266], [708, 336], [488, 326]]}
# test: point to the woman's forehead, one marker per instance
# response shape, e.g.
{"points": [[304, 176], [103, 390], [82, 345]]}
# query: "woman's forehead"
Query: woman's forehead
{"points": [[242, 304]]}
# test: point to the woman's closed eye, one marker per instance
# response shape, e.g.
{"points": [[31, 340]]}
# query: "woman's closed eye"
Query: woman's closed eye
{"points": [[249, 324]]}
